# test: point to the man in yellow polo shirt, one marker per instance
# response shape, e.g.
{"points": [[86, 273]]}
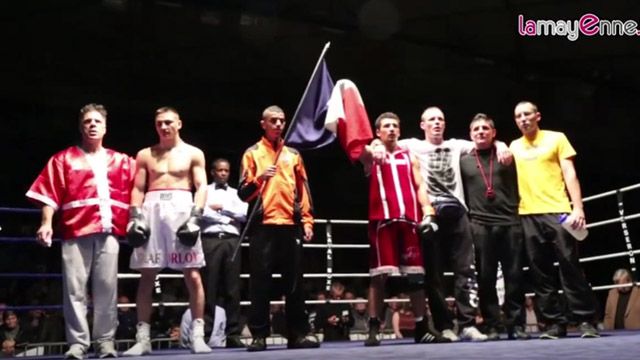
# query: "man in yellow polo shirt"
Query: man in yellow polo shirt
{"points": [[544, 161]]}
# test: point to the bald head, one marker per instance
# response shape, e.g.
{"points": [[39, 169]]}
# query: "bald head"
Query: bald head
{"points": [[432, 111], [432, 123]]}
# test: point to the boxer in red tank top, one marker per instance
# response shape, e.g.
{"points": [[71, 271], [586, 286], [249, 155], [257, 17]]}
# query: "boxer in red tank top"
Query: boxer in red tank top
{"points": [[398, 200]]}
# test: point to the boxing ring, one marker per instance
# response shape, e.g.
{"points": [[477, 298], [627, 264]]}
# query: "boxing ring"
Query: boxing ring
{"points": [[620, 344]]}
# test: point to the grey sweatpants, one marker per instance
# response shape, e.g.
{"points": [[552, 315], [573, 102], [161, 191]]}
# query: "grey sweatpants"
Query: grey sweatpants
{"points": [[95, 255]]}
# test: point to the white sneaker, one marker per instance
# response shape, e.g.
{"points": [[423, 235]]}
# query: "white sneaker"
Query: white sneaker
{"points": [[198, 345], [471, 333], [449, 334], [107, 350], [143, 341], [76, 351]]}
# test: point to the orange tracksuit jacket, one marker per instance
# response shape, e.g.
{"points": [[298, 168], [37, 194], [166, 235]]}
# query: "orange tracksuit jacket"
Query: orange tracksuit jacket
{"points": [[286, 199]]}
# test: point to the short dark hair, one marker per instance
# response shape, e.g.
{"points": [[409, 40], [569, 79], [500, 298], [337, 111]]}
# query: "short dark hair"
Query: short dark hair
{"points": [[386, 115], [272, 108], [166, 109], [218, 161], [8, 313], [93, 107], [481, 116]]}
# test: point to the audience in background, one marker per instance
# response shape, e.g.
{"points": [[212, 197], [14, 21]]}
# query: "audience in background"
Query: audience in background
{"points": [[622, 310]]}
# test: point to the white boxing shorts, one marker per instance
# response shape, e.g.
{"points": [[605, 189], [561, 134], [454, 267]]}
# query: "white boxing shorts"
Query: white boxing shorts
{"points": [[165, 211]]}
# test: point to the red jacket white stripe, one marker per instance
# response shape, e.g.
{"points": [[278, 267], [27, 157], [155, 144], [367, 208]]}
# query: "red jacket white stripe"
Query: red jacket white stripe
{"points": [[69, 185]]}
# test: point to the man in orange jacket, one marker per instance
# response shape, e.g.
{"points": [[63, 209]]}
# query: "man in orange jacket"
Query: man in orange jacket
{"points": [[277, 186]]}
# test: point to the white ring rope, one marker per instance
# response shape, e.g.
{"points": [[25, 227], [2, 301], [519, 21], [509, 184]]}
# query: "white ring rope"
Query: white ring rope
{"points": [[354, 301], [361, 275], [330, 246], [611, 192]]}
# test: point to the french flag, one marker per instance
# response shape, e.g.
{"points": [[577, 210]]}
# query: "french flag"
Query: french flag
{"points": [[347, 118], [343, 117]]}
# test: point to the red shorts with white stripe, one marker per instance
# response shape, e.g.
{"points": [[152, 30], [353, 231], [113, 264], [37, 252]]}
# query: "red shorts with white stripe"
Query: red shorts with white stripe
{"points": [[395, 248]]}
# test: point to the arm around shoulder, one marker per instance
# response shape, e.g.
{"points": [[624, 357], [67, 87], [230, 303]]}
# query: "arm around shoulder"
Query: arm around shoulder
{"points": [[366, 158]]}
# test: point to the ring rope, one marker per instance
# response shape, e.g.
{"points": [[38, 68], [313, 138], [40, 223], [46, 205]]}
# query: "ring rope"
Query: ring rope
{"points": [[322, 221], [276, 302], [330, 246], [310, 275]]}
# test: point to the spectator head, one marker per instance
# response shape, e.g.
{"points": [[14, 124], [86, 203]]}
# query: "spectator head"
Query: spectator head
{"points": [[623, 276], [349, 295], [528, 302], [360, 307], [451, 302], [10, 319], [8, 348], [337, 290], [394, 306], [123, 299], [35, 313], [321, 296], [406, 306]]}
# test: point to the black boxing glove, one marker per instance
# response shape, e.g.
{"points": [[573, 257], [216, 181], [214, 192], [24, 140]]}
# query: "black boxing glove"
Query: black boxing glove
{"points": [[189, 232], [428, 226], [137, 229]]}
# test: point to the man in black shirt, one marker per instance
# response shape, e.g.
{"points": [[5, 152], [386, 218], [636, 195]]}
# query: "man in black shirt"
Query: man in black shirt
{"points": [[491, 190], [335, 319]]}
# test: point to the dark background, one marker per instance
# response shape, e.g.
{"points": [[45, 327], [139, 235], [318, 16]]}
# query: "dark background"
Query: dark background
{"points": [[221, 62]]}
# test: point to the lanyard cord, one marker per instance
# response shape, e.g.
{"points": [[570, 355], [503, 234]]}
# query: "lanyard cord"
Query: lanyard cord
{"points": [[489, 183]]}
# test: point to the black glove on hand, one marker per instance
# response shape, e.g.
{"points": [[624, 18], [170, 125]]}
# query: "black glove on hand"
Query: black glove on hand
{"points": [[137, 229], [427, 227], [189, 232]]}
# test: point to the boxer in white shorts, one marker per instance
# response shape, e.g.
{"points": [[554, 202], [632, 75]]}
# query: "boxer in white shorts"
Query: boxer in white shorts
{"points": [[165, 230], [164, 212]]}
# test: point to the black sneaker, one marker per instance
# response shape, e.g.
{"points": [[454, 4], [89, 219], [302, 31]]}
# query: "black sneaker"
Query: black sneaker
{"points": [[554, 332], [303, 342], [234, 342], [492, 334], [422, 335], [258, 344], [518, 333], [588, 331], [374, 332]]}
